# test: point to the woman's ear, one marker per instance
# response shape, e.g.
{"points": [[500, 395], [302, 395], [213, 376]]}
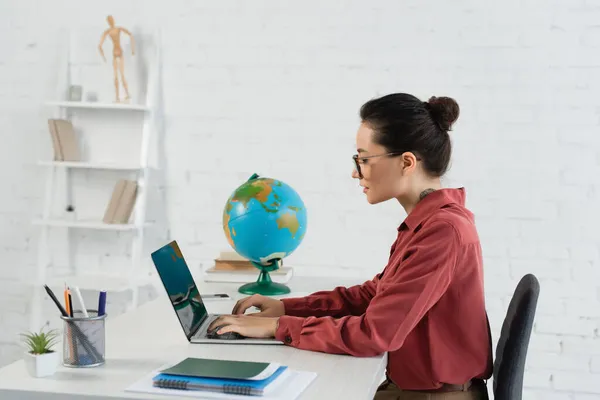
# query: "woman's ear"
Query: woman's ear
{"points": [[409, 162]]}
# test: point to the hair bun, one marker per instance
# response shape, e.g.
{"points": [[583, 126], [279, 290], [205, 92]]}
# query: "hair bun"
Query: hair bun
{"points": [[444, 111]]}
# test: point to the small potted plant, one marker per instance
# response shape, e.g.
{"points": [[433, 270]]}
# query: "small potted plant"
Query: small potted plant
{"points": [[40, 359]]}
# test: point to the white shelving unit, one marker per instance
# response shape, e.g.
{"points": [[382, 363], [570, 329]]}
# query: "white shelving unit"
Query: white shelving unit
{"points": [[133, 278], [89, 224], [99, 106], [88, 165]]}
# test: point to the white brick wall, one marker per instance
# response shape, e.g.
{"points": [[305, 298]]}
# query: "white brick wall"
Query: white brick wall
{"points": [[274, 87]]}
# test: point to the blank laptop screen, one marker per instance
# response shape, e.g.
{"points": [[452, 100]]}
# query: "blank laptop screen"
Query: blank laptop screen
{"points": [[180, 287]]}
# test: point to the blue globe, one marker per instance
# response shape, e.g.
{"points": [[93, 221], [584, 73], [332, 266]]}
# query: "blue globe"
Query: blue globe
{"points": [[264, 219]]}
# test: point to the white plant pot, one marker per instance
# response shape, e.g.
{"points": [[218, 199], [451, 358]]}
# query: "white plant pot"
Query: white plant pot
{"points": [[40, 365]]}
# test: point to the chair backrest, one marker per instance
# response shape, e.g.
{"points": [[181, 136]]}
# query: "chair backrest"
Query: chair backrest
{"points": [[511, 350]]}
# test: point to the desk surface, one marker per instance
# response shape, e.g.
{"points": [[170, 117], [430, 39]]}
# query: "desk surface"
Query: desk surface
{"points": [[150, 336]]}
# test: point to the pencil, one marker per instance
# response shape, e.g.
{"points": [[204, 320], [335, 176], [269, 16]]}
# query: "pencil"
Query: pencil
{"points": [[67, 305], [70, 303]]}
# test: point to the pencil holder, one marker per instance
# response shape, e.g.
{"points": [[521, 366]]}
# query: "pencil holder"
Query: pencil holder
{"points": [[84, 339]]}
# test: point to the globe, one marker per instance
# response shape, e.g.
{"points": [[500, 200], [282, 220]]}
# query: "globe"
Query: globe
{"points": [[264, 221]]}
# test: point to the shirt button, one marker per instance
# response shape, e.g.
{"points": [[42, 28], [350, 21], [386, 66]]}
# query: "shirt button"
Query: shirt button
{"points": [[288, 339]]}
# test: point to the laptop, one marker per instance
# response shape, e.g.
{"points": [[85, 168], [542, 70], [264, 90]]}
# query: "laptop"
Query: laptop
{"points": [[187, 300]]}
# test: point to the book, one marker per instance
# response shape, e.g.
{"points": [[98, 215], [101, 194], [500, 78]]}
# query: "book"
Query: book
{"points": [[109, 214], [126, 203], [58, 155], [245, 387], [281, 275], [233, 265], [229, 255], [120, 206], [64, 140], [229, 369], [232, 261]]}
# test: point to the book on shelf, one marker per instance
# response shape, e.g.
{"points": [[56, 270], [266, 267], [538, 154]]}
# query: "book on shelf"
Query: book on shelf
{"points": [[122, 201], [64, 140]]}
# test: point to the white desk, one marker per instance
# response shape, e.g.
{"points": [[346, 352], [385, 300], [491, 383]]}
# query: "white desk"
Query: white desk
{"points": [[150, 336]]}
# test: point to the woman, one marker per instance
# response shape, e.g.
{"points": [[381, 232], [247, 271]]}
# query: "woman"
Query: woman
{"points": [[427, 307]]}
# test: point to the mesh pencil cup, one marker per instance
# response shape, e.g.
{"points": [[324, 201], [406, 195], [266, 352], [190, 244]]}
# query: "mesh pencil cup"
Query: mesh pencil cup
{"points": [[84, 339]]}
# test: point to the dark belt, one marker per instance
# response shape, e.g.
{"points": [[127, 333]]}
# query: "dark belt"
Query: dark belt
{"points": [[447, 387]]}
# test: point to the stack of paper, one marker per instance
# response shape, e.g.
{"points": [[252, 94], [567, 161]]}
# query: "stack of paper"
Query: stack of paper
{"points": [[230, 379]]}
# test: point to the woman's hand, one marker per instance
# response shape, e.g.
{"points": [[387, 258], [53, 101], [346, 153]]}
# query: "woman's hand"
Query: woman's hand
{"points": [[245, 325], [268, 307]]}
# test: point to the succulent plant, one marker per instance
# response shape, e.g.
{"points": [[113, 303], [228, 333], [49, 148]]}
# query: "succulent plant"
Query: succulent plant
{"points": [[40, 342]]}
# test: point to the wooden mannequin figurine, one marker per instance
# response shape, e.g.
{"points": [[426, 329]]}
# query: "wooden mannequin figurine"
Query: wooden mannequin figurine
{"points": [[114, 32]]}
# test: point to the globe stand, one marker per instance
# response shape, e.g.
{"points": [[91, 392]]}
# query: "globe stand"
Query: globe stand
{"points": [[264, 285]]}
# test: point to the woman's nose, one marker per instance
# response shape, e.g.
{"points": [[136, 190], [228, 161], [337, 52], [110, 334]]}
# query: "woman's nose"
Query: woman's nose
{"points": [[355, 173]]}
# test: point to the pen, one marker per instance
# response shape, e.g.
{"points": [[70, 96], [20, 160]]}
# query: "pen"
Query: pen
{"points": [[55, 300], [215, 296], [80, 299], [102, 303]]}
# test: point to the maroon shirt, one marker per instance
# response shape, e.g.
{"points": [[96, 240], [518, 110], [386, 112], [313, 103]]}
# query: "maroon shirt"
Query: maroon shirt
{"points": [[426, 309]]}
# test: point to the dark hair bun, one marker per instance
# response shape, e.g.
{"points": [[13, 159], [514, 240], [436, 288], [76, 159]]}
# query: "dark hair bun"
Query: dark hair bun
{"points": [[444, 111]]}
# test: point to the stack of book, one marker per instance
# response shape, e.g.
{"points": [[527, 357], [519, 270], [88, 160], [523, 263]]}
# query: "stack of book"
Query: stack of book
{"points": [[121, 202], [64, 140], [231, 267], [206, 377]]}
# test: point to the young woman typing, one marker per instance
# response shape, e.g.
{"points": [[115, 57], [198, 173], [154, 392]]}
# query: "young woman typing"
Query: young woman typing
{"points": [[426, 309]]}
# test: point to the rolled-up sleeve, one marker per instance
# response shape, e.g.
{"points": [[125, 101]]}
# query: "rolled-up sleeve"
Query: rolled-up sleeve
{"points": [[419, 277]]}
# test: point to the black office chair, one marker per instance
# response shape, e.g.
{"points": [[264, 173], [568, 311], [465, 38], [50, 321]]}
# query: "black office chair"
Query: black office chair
{"points": [[511, 350]]}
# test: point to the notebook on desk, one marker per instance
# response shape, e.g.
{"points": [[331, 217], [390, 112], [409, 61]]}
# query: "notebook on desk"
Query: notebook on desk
{"points": [[268, 381], [222, 369], [253, 387]]}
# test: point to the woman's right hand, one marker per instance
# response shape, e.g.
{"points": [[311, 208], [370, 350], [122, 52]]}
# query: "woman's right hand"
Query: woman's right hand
{"points": [[268, 307]]}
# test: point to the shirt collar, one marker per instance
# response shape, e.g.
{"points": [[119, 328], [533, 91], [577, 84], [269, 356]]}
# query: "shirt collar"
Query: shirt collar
{"points": [[433, 201]]}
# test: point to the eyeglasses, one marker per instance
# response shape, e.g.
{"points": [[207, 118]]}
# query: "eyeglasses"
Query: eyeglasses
{"points": [[358, 160]]}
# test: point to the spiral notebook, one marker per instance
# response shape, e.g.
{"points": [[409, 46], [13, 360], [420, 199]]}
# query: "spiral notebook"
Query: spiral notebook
{"points": [[288, 385], [231, 386]]}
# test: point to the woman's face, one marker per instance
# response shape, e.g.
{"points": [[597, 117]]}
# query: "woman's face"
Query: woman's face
{"points": [[384, 176]]}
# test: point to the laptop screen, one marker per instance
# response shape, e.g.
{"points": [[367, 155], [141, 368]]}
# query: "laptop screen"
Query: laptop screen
{"points": [[180, 287]]}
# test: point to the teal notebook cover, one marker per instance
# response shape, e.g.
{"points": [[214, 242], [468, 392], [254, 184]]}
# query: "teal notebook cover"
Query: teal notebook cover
{"points": [[224, 369], [231, 386]]}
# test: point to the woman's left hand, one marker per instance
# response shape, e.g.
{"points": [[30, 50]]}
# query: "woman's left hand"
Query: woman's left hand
{"points": [[245, 325]]}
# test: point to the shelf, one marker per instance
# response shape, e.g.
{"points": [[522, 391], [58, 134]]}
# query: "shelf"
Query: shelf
{"points": [[92, 224], [88, 165], [98, 282], [98, 106]]}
